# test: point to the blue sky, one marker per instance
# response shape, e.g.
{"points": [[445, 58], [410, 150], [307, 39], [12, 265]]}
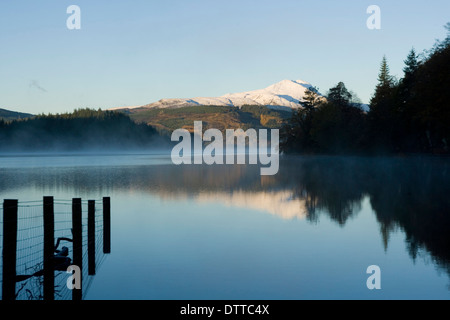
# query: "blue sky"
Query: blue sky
{"points": [[135, 52]]}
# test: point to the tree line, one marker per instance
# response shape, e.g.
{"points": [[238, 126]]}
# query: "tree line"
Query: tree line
{"points": [[409, 115], [80, 129]]}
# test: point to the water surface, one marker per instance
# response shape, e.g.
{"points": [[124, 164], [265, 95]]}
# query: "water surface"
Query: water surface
{"points": [[225, 232]]}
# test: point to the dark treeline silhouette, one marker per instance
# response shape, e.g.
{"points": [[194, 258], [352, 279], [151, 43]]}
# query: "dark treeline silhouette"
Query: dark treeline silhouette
{"points": [[411, 115], [79, 130]]}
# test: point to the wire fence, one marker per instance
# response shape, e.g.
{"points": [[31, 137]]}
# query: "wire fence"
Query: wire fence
{"points": [[29, 268]]}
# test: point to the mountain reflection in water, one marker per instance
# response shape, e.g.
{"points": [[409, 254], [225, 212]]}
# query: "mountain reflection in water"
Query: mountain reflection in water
{"points": [[410, 193]]}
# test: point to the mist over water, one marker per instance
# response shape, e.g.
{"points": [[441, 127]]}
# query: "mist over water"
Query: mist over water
{"points": [[226, 232]]}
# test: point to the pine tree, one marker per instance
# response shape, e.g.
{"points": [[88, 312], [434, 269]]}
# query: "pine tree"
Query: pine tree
{"points": [[404, 106], [383, 91], [339, 95], [311, 98], [432, 96], [411, 64], [382, 112], [295, 135], [385, 80]]}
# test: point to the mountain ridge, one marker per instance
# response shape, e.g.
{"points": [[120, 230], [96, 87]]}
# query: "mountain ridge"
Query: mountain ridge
{"points": [[286, 94]]}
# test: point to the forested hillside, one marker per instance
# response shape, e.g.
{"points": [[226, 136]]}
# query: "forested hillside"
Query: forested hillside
{"points": [[81, 129]]}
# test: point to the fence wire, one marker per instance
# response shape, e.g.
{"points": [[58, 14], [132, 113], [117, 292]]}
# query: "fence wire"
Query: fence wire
{"points": [[30, 247]]}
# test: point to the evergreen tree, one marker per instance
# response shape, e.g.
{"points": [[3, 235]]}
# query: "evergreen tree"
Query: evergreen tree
{"points": [[411, 64], [311, 98], [404, 106], [339, 95], [431, 98], [337, 125], [385, 80], [382, 116], [295, 135], [410, 115]]}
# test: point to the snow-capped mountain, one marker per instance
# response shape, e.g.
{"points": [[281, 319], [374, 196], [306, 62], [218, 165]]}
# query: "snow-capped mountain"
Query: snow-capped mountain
{"points": [[284, 94]]}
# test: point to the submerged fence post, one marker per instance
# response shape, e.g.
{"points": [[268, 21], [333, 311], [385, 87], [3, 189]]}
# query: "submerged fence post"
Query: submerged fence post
{"points": [[77, 243], [9, 249], [106, 225], [91, 237], [49, 249]]}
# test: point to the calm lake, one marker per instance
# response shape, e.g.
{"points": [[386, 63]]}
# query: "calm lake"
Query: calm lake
{"points": [[226, 232]]}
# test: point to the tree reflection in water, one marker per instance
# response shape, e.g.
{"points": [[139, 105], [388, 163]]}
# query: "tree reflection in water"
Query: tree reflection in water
{"points": [[410, 193]]}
